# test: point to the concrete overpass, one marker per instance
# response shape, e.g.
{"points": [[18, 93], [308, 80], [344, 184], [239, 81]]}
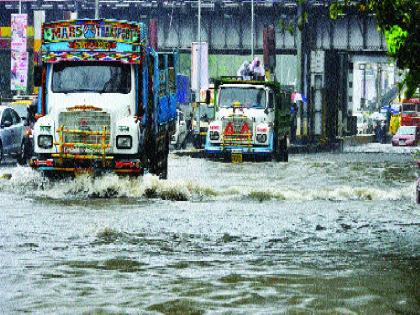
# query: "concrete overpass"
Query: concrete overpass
{"points": [[325, 49]]}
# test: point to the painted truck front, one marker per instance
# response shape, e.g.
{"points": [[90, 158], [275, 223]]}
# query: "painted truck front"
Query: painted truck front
{"points": [[107, 102], [252, 119]]}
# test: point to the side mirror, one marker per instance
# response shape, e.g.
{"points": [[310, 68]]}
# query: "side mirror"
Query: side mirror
{"points": [[37, 75], [208, 97], [7, 123], [270, 100]]}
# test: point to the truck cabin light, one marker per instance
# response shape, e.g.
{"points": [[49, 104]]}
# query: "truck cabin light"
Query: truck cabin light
{"points": [[124, 142], [45, 141], [261, 138], [214, 135], [262, 129]]}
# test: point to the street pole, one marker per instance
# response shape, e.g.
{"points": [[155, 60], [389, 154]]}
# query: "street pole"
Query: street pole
{"points": [[252, 30], [96, 9], [199, 71], [20, 12], [198, 65]]}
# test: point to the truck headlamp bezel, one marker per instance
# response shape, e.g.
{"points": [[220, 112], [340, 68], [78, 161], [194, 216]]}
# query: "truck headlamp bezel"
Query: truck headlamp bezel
{"points": [[261, 138], [214, 135], [45, 141], [125, 146]]}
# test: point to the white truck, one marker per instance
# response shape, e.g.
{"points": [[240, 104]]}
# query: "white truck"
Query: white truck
{"points": [[107, 102], [252, 119]]}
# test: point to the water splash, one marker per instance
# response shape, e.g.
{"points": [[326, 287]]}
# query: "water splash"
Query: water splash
{"points": [[30, 183]]}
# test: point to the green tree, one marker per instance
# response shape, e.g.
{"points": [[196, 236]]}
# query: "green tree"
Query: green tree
{"points": [[399, 20]]}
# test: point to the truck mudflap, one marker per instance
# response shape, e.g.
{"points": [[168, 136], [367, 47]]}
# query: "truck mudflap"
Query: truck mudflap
{"points": [[87, 164]]}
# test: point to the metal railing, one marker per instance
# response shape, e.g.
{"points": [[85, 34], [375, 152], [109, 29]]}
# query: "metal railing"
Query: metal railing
{"points": [[99, 149]]}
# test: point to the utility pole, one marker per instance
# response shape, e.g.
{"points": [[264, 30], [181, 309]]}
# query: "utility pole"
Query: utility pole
{"points": [[96, 9], [252, 30], [198, 63]]}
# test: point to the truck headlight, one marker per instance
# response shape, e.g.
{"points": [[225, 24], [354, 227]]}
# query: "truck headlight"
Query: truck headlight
{"points": [[261, 138], [124, 142], [214, 135], [45, 141]]}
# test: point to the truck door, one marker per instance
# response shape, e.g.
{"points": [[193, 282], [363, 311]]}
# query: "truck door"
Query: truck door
{"points": [[172, 83], [163, 89], [6, 131]]}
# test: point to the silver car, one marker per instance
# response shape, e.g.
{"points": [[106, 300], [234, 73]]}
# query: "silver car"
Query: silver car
{"points": [[11, 134]]}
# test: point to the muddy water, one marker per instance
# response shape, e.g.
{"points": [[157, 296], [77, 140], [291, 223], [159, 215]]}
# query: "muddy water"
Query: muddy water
{"points": [[328, 233]]}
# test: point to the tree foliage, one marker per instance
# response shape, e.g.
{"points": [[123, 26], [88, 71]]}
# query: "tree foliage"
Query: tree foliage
{"points": [[399, 20]]}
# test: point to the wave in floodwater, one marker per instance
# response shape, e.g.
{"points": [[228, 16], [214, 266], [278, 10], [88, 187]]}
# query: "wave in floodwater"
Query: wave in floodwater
{"points": [[25, 181]]}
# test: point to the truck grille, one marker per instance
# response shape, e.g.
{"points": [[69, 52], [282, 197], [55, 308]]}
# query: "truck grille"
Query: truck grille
{"points": [[94, 121], [238, 137]]}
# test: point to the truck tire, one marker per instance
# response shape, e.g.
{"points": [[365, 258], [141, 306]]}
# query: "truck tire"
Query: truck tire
{"points": [[163, 170], [281, 151], [22, 157], [1, 152]]}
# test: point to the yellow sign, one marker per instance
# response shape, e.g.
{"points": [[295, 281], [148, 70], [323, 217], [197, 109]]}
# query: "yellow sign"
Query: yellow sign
{"points": [[236, 157]]}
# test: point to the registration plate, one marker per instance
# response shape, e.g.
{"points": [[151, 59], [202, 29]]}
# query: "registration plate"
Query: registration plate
{"points": [[236, 157], [402, 142]]}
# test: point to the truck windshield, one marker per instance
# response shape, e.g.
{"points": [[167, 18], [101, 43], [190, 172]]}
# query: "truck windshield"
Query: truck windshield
{"points": [[91, 77], [408, 108], [248, 97], [407, 130]]}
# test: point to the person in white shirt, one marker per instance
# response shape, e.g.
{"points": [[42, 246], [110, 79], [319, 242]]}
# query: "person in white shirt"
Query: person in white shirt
{"points": [[257, 68]]}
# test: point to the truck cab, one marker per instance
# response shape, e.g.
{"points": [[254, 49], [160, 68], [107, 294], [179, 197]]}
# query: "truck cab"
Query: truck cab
{"points": [[252, 118]]}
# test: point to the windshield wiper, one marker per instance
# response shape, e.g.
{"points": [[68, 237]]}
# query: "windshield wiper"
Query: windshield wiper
{"points": [[78, 90]]}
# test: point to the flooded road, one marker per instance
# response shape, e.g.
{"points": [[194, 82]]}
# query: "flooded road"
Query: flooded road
{"points": [[325, 233]]}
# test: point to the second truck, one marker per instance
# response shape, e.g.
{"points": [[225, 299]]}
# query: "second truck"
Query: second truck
{"points": [[252, 119]]}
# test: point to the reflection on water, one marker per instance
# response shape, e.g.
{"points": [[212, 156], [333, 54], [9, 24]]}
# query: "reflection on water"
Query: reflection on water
{"points": [[332, 233]]}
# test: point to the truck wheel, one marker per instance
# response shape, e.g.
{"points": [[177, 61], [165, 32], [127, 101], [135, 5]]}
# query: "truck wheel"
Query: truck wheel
{"points": [[1, 152], [163, 174], [282, 151], [22, 155]]}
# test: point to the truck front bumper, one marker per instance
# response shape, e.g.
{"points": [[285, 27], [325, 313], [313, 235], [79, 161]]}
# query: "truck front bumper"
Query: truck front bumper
{"points": [[82, 164], [221, 150]]}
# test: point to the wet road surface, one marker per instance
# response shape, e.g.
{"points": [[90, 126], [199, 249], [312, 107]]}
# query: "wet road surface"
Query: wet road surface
{"points": [[325, 233]]}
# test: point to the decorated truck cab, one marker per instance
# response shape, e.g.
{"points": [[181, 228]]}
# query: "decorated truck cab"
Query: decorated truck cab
{"points": [[252, 119], [106, 102]]}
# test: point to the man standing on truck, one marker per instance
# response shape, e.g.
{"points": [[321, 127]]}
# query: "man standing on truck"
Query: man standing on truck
{"points": [[257, 69]]}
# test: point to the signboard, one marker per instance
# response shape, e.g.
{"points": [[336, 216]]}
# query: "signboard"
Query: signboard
{"points": [[317, 61], [91, 30], [19, 70], [199, 65], [19, 56], [18, 30]]}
